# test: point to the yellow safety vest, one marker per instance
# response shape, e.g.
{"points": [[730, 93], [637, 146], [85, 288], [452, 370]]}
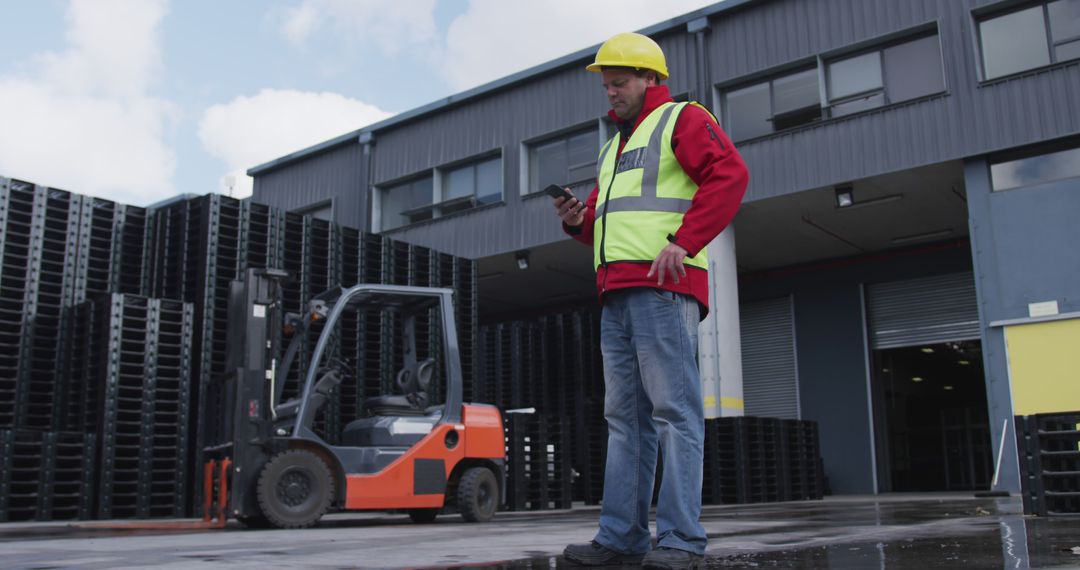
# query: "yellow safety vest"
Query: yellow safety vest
{"points": [[644, 196]]}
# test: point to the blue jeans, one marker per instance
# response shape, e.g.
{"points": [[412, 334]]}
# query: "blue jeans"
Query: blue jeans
{"points": [[653, 396]]}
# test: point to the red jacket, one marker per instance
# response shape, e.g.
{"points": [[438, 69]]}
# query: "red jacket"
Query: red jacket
{"points": [[711, 161]]}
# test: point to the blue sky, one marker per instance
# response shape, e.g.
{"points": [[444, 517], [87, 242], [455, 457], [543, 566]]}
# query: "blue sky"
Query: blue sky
{"points": [[139, 100]]}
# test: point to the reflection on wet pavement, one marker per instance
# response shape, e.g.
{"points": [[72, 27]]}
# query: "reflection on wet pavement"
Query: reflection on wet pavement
{"points": [[957, 534], [884, 532]]}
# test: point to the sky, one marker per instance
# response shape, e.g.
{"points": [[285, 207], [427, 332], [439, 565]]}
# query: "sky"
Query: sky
{"points": [[140, 100]]}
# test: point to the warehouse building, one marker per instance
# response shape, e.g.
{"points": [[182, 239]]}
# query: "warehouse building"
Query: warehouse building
{"points": [[907, 274]]}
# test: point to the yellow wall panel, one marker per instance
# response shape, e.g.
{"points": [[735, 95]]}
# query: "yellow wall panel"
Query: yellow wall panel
{"points": [[1044, 366]]}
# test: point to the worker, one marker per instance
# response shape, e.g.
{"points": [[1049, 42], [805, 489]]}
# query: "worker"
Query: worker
{"points": [[667, 184]]}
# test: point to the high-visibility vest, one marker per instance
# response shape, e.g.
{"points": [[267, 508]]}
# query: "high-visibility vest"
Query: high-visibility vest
{"points": [[644, 195]]}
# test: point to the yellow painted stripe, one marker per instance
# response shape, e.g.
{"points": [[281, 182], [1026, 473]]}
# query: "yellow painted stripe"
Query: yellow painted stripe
{"points": [[725, 402], [732, 403]]}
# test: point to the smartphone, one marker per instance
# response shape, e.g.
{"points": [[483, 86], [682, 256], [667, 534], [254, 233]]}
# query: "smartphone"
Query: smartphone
{"points": [[556, 191]]}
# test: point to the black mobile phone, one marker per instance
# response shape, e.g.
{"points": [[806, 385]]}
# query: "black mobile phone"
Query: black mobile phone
{"points": [[556, 191]]}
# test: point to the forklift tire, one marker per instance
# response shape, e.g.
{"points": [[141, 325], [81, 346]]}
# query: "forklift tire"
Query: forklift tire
{"points": [[295, 489], [423, 516], [478, 494]]}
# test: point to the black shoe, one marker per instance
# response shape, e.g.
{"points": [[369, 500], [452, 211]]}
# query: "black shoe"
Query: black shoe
{"points": [[665, 558], [594, 554]]}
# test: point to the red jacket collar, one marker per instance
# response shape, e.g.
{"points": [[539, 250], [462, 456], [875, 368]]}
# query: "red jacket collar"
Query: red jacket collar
{"points": [[654, 97]]}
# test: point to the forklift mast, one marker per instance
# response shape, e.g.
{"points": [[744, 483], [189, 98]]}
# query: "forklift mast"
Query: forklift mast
{"points": [[254, 325]]}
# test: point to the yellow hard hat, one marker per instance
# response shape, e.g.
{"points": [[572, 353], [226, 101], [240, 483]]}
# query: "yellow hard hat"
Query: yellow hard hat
{"points": [[630, 50]]}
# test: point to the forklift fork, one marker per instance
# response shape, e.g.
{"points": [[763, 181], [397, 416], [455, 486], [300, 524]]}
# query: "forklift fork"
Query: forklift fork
{"points": [[213, 517], [216, 517]]}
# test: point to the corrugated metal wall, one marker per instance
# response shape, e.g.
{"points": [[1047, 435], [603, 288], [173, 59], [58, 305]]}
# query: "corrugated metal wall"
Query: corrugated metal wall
{"points": [[970, 119], [926, 310], [502, 121], [338, 173], [770, 376]]}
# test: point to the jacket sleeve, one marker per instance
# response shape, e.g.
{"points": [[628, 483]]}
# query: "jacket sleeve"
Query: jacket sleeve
{"points": [[711, 161], [584, 232]]}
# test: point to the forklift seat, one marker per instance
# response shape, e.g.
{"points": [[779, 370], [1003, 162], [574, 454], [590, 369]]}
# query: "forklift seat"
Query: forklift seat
{"points": [[397, 421], [329, 380], [414, 382]]}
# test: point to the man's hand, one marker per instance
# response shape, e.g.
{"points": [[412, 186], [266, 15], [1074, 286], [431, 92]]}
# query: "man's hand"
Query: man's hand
{"points": [[571, 210], [670, 261]]}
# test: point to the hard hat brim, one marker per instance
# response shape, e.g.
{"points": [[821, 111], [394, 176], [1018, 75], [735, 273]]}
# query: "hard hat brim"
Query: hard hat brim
{"points": [[598, 67]]}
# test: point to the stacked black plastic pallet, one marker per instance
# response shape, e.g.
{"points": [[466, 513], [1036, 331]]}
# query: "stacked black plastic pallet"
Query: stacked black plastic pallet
{"points": [[803, 476], [46, 475], [1049, 447], [554, 364], [38, 278], [755, 460], [63, 328], [140, 380], [538, 471]]}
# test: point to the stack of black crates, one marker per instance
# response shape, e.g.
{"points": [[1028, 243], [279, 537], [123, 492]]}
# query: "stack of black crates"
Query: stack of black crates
{"points": [[761, 460], [1049, 448], [113, 325], [54, 252], [550, 368]]}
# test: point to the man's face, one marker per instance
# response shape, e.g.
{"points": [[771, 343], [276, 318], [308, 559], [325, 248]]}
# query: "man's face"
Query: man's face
{"points": [[625, 91]]}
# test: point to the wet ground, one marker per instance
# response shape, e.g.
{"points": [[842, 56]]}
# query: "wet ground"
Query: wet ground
{"points": [[902, 531]]}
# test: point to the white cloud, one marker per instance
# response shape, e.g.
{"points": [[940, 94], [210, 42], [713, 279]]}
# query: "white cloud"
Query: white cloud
{"points": [[84, 120], [489, 41], [391, 25], [248, 131]]}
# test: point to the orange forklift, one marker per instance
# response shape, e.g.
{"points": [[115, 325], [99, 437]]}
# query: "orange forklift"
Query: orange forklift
{"points": [[402, 454]]}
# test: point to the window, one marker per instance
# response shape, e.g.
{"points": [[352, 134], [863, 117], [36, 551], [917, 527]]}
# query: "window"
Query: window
{"points": [[1031, 37], [471, 185], [892, 74], [569, 160], [406, 203], [439, 193], [322, 210], [889, 73], [1049, 167], [774, 105]]}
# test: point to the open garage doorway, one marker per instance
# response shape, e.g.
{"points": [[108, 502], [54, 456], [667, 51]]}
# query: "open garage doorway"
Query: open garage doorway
{"points": [[932, 426], [928, 387]]}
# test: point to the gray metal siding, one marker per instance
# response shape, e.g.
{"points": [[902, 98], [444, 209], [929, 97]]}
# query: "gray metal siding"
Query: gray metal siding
{"points": [[927, 310], [770, 381], [970, 119], [506, 118], [338, 173], [502, 121]]}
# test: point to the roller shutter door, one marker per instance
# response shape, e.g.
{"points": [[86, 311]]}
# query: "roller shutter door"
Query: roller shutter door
{"points": [[770, 382], [923, 311]]}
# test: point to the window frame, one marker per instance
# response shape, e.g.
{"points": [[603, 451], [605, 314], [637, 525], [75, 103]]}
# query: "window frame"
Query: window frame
{"points": [[599, 127], [436, 202], [1066, 144], [380, 191], [1001, 9], [910, 36], [442, 172], [316, 207], [820, 62], [721, 92]]}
